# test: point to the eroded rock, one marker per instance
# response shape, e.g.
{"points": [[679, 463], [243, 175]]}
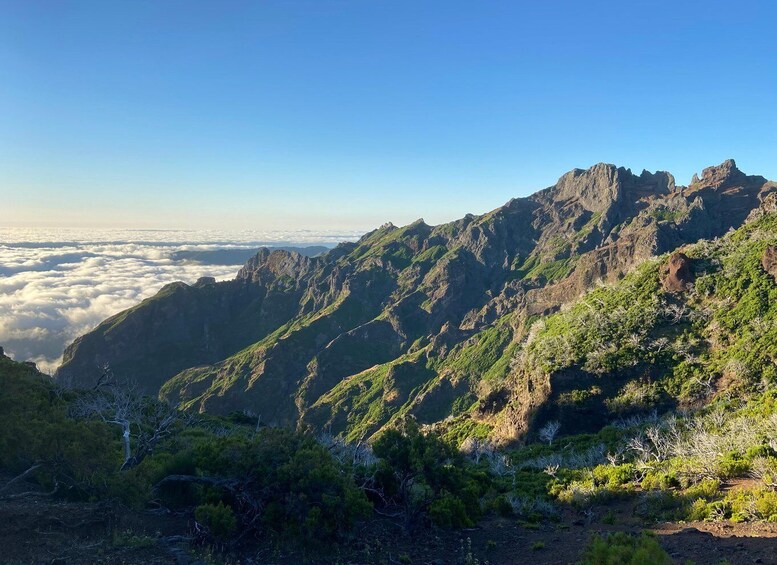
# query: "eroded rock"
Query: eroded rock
{"points": [[677, 275], [769, 261]]}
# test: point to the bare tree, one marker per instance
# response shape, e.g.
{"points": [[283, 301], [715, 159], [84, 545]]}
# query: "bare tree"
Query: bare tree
{"points": [[144, 422], [476, 448], [549, 431]]}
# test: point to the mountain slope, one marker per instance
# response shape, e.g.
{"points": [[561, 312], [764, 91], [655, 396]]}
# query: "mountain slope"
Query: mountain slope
{"points": [[420, 320]]}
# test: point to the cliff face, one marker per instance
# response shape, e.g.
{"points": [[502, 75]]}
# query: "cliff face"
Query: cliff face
{"points": [[406, 321]]}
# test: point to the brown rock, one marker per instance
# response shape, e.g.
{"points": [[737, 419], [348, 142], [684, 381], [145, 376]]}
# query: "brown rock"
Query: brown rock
{"points": [[768, 204], [769, 261], [677, 275]]}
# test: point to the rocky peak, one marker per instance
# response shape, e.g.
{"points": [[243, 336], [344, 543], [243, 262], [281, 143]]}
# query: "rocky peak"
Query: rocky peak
{"points": [[598, 188], [595, 188], [725, 174], [205, 281], [269, 265]]}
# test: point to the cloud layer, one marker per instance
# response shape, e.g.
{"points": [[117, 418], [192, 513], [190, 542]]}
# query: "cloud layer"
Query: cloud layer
{"points": [[55, 286]]}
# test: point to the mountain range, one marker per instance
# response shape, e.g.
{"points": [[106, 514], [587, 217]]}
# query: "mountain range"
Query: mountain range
{"points": [[457, 325]]}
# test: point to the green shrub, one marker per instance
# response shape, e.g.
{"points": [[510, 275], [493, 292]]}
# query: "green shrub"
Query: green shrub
{"points": [[305, 491], [747, 505], [218, 518], [436, 470], [659, 480], [609, 518], [622, 549], [613, 475], [449, 511], [660, 505], [733, 465], [132, 540], [707, 488], [698, 511], [36, 429]]}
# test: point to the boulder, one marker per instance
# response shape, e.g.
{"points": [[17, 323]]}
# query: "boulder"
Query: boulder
{"points": [[677, 275], [769, 261]]}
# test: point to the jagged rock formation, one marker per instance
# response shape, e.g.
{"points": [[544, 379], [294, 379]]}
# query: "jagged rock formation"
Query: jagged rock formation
{"points": [[420, 320]]}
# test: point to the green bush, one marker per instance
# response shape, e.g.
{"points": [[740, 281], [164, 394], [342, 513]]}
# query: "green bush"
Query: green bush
{"points": [[707, 488], [435, 470], [698, 511], [449, 511], [218, 518], [660, 505], [733, 465], [659, 480], [613, 475], [304, 491], [622, 549], [35, 429], [745, 505]]}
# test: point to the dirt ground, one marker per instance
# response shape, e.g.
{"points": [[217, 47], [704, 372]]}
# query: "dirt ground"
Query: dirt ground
{"points": [[39, 531]]}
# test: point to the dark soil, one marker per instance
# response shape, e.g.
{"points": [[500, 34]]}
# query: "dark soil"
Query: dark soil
{"points": [[42, 531]]}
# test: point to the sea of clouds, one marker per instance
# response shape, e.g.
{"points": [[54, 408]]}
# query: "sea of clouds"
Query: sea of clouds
{"points": [[58, 284]]}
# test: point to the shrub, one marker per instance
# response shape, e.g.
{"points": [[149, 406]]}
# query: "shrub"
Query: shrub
{"points": [[747, 505], [36, 429], [659, 480], [698, 511], [218, 518], [733, 465], [449, 511], [659, 505], [622, 549], [707, 488], [613, 475], [418, 472]]}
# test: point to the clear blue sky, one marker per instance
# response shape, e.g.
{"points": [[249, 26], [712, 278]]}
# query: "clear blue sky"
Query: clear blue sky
{"points": [[326, 114]]}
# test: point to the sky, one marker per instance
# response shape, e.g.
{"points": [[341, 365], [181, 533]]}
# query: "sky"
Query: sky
{"points": [[333, 114]]}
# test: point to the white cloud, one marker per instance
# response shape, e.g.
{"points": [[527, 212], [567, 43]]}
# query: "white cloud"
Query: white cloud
{"points": [[56, 285]]}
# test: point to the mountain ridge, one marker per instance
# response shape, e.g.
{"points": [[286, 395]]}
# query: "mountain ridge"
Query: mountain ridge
{"points": [[291, 336]]}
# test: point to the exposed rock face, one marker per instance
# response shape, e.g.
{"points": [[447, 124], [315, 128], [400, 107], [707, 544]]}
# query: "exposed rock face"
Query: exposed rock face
{"points": [[723, 198], [768, 204], [349, 339], [677, 276], [768, 261]]}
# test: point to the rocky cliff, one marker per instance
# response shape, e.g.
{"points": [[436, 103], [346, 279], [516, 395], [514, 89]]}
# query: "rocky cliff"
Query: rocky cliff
{"points": [[419, 320]]}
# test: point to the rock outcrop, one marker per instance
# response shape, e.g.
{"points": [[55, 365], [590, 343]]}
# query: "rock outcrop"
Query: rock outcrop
{"points": [[677, 275], [769, 260]]}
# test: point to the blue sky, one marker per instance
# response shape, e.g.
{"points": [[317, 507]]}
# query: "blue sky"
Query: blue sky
{"points": [[345, 114]]}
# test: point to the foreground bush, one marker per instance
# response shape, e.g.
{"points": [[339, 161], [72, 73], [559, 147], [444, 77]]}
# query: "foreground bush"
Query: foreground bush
{"points": [[419, 475], [69, 457], [273, 480]]}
